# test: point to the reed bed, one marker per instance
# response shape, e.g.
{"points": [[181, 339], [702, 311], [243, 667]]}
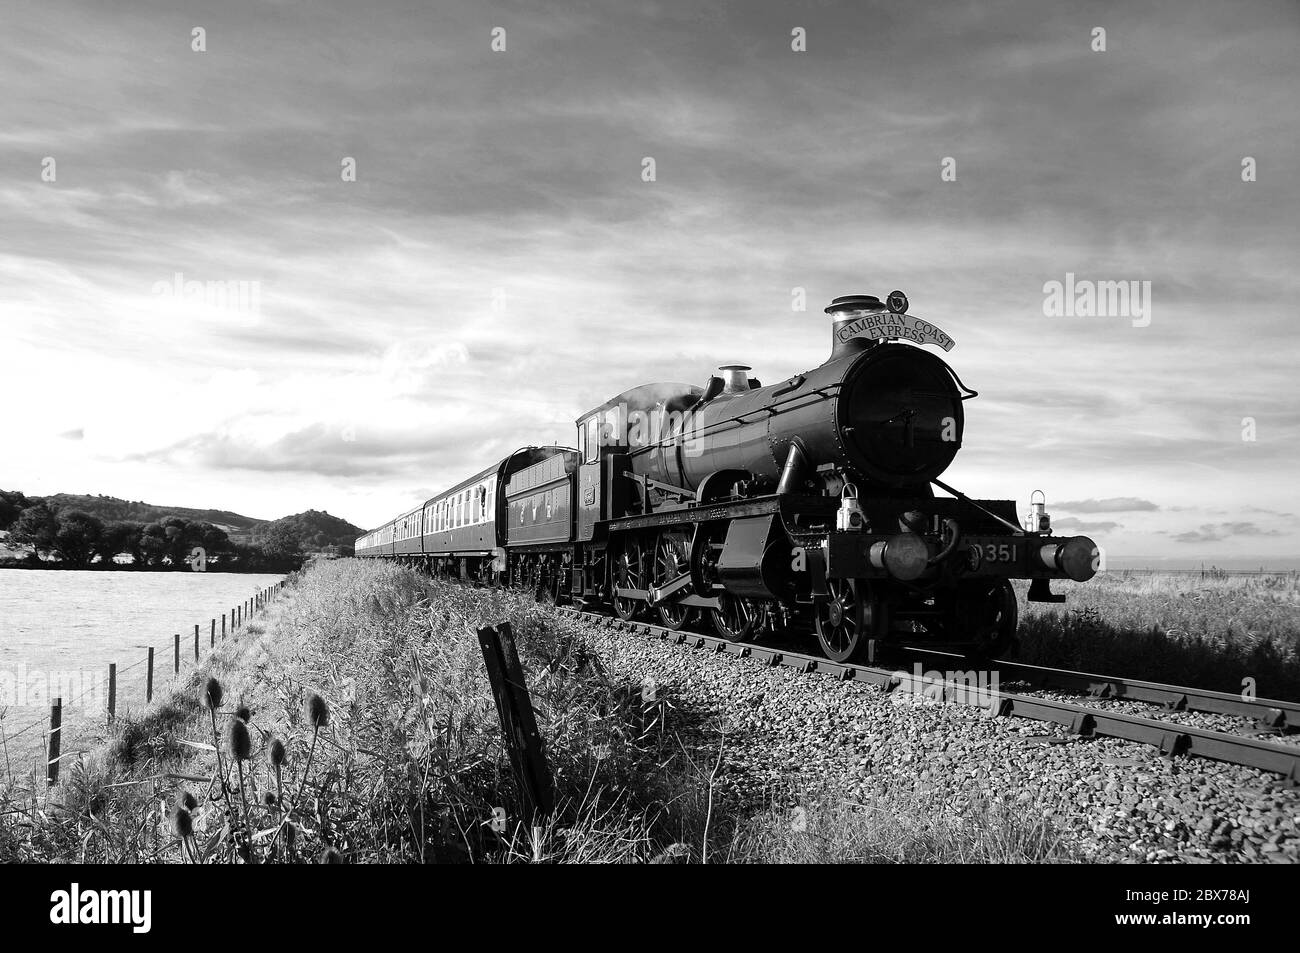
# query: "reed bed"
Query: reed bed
{"points": [[1226, 633]]}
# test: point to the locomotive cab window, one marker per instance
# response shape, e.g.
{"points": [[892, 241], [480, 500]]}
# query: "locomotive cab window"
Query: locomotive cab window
{"points": [[591, 438]]}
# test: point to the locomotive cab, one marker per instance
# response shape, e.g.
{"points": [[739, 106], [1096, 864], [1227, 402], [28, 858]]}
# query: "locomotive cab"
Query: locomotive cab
{"points": [[643, 417]]}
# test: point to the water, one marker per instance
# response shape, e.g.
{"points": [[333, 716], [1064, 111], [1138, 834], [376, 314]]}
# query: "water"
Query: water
{"points": [[59, 630]]}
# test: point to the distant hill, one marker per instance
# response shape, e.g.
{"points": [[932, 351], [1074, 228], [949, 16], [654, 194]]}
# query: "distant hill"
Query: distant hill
{"points": [[315, 528], [111, 508]]}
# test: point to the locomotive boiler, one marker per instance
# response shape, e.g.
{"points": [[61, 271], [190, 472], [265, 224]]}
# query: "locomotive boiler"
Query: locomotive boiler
{"points": [[764, 507]]}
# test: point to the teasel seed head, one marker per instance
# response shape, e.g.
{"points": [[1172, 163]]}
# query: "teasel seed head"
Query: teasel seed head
{"points": [[318, 713], [182, 822], [330, 855], [268, 798], [210, 694], [243, 714], [238, 740], [187, 800], [276, 752]]}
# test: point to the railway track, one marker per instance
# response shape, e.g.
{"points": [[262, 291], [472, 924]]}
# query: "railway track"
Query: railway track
{"points": [[1081, 720]]}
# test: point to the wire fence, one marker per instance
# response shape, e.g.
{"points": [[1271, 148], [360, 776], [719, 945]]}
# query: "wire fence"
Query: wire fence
{"points": [[1208, 572], [84, 715]]}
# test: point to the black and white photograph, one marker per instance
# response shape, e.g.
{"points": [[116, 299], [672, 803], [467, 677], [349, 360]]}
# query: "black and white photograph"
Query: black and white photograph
{"points": [[652, 433]]}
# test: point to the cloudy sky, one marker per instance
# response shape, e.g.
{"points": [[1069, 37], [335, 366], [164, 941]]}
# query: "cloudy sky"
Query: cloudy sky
{"points": [[500, 262]]}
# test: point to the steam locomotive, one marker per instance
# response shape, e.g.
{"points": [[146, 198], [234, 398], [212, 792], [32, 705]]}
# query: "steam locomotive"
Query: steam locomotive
{"points": [[763, 506]]}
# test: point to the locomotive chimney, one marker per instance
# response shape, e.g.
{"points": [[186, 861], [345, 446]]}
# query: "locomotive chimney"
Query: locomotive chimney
{"points": [[844, 310], [735, 377]]}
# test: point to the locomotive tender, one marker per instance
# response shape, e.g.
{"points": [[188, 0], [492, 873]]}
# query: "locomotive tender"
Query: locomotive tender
{"points": [[763, 505]]}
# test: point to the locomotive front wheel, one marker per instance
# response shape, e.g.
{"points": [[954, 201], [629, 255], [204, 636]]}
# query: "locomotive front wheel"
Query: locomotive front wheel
{"points": [[844, 620], [997, 634], [739, 620]]}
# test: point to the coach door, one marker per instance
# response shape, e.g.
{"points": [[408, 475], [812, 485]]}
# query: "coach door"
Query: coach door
{"points": [[589, 477]]}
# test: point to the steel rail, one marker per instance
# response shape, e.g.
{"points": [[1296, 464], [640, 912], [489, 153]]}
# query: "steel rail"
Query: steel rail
{"points": [[1283, 716], [1171, 739]]}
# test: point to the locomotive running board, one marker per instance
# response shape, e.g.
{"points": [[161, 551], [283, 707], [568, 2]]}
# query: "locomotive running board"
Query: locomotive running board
{"points": [[699, 514]]}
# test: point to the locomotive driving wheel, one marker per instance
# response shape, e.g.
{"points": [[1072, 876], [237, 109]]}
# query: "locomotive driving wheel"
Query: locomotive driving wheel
{"points": [[738, 620], [672, 561], [628, 575], [847, 620]]}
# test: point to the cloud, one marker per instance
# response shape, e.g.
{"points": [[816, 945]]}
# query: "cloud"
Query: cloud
{"points": [[523, 173], [1079, 526], [1114, 504], [78, 433], [1218, 532]]}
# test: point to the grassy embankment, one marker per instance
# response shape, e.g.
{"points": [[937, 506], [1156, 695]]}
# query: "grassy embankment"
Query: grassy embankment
{"points": [[1204, 632], [373, 680]]}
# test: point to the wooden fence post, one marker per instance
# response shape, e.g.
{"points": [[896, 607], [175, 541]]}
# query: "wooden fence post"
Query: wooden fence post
{"points": [[56, 741], [212, 635], [176, 655], [148, 681], [518, 721], [196, 643], [223, 627], [112, 691]]}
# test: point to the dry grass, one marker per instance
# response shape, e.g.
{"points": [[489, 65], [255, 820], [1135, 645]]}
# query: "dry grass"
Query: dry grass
{"points": [[410, 766], [1208, 633], [905, 828]]}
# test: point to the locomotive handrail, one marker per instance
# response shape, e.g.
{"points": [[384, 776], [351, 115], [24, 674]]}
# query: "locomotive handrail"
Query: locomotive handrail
{"points": [[1019, 530], [970, 392]]}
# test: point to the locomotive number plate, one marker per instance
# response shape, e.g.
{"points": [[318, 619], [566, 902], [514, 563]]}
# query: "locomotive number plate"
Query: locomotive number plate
{"points": [[998, 553]]}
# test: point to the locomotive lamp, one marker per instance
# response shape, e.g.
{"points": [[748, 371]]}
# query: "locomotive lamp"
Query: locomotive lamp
{"points": [[1039, 521], [849, 518]]}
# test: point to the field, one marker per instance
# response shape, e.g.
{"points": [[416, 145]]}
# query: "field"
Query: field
{"points": [[1211, 632], [372, 678]]}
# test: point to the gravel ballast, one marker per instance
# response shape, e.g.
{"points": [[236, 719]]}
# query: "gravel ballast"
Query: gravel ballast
{"points": [[782, 733]]}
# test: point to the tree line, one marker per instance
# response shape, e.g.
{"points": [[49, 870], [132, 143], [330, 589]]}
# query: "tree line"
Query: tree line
{"points": [[77, 540]]}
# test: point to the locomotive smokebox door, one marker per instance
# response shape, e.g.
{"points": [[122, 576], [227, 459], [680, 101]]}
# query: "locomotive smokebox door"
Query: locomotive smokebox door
{"points": [[590, 439]]}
